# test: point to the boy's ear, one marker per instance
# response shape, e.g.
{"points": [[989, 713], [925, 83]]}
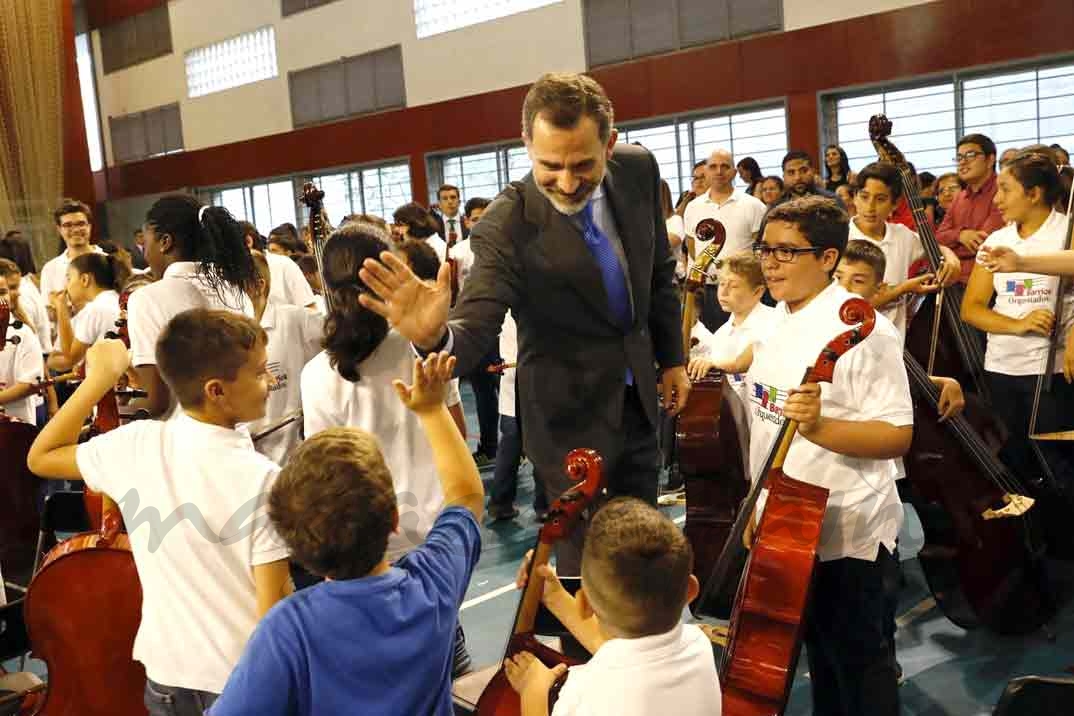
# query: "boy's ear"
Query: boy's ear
{"points": [[693, 588], [585, 608], [214, 389]]}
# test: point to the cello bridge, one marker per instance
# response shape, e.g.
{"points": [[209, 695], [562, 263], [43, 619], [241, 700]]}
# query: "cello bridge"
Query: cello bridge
{"points": [[1017, 505]]}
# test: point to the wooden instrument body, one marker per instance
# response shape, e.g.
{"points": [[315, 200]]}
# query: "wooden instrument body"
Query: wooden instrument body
{"points": [[19, 515], [82, 614], [982, 572], [498, 697], [767, 626]]}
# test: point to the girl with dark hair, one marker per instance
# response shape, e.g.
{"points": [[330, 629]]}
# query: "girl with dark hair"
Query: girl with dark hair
{"points": [[836, 167], [749, 171], [199, 253], [1020, 324], [93, 285], [413, 221], [350, 384]]}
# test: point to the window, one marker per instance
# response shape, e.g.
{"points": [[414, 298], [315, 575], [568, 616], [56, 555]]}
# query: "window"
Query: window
{"points": [[290, 7], [136, 39], [90, 115], [142, 135], [480, 173], [352, 86], [1015, 109], [266, 205], [432, 17], [923, 120], [620, 30], [232, 63]]}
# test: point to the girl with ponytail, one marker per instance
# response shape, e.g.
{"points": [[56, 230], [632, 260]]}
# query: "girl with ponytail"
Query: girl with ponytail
{"points": [[93, 285], [200, 254]]}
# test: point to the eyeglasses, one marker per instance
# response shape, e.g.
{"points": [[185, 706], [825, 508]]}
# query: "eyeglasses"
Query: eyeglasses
{"points": [[968, 156], [783, 254], [68, 225]]}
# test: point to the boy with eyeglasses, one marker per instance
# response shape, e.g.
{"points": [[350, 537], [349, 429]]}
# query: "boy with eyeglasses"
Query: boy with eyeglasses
{"points": [[973, 215], [850, 436]]}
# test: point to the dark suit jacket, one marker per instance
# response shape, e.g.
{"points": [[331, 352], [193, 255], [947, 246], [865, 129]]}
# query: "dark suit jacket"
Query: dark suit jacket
{"points": [[137, 257], [572, 357], [464, 233]]}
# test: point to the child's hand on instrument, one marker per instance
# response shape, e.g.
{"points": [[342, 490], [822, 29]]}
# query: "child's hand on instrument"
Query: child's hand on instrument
{"points": [[431, 377], [952, 401], [529, 677], [803, 406], [699, 368]]}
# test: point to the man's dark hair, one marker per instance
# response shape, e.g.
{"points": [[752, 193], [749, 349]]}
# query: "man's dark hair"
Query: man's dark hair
{"points": [[796, 154], [422, 258], [819, 219], [334, 504], [417, 219], [987, 145], [72, 206], [699, 165], [476, 203], [563, 99], [884, 172], [447, 187]]}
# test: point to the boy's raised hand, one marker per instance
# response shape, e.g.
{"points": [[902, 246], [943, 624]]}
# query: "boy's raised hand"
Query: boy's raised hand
{"points": [[431, 377], [107, 360]]}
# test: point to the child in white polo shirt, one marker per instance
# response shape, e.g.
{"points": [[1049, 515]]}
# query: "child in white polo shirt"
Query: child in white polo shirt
{"points": [[740, 290], [208, 577], [636, 581], [199, 252], [879, 187], [93, 283], [850, 436], [294, 337], [21, 363]]}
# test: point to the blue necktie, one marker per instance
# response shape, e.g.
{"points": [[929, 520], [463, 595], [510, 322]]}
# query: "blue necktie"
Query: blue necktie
{"points": [[611, 272], [610, 269]]}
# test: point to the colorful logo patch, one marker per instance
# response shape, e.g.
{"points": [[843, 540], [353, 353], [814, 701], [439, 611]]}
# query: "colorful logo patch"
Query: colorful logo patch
{"points": [[1020, 287]]}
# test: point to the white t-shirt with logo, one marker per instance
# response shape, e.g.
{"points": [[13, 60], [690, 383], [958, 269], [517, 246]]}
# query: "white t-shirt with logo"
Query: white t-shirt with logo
{"points": [[21, 363], [902, 247], [730, 341], [96, 318], [1017, 294], [294, 337], [869, 383], [193, 499], [371, 404]]}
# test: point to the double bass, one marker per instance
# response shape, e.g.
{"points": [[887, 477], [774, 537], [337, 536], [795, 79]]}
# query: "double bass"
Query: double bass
{"points": [[708, 440], [767, 621], [83, 610], [499, 698]]}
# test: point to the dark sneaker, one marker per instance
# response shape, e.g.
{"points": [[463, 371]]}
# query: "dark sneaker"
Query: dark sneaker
{"points": [[482, 460], [503, 514]]}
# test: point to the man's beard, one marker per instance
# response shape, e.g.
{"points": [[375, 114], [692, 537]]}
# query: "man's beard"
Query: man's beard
{"points": [[570, 208], [800, 189]]}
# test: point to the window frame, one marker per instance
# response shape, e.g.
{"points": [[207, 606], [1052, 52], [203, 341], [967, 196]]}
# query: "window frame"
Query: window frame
{"points": [[343, 63]]}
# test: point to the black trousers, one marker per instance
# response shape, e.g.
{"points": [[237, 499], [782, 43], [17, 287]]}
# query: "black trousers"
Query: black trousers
{"points": [[505, 479], [851, 660], [486, 387]]}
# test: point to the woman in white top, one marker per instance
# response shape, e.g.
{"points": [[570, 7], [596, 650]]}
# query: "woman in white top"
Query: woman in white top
{"points": [[199, 252], [93, 285], [1021, 323]]}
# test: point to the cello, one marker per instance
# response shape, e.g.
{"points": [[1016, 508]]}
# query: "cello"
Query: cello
{"points": [[83, 610], [19, 517], [962, 356], [708, 440], [764, 637], [499, 698]]}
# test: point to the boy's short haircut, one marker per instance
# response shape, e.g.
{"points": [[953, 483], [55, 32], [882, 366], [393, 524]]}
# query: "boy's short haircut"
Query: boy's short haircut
{"points": [[819, 219], [884, 172], [261, 264], [71, 206], [422, 258], [478, 202], [9, 267], [635, 568], [865, 252], [746, 265], [334, 504], [202, 344]]}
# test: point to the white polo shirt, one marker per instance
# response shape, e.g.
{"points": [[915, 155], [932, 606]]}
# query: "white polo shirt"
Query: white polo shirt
{"points": [[294, 337], [674, 225], [740, 214], [1018, 294], [371, 404], [37, 314], [463, 254], [730, 341], [288, 286], [902, 247], [869, 383], [509, 353], [193, 498], [21, 363], [670, 673], [54, 272], [96, 318]]}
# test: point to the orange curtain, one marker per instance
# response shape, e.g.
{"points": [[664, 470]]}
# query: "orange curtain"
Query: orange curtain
{"points": [[31, 117]]}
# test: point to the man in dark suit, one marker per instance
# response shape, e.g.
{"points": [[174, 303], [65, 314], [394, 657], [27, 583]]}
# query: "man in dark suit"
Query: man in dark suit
{"points": [[138, 259], [447, 216], [578, 251]]}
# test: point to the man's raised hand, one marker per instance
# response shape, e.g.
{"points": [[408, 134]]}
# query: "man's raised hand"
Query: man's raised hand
{"points": [[417, 309]]}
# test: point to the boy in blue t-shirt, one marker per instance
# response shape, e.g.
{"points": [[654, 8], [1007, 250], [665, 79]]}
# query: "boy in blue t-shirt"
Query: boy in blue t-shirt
{"points": [[374, 638]]}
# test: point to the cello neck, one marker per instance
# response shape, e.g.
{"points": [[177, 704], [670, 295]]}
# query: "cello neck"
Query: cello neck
{"points": [[531, 598]]}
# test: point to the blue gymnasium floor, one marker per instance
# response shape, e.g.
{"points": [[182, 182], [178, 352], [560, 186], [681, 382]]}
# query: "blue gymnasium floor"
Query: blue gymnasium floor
{"points": [[947, 670]]}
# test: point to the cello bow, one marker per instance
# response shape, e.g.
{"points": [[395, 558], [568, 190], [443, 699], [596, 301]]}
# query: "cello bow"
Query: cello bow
{"points": [[586, 467], [765, 634]]}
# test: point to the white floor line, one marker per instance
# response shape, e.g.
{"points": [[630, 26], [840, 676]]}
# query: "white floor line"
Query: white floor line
{"points": [[507, 588]]}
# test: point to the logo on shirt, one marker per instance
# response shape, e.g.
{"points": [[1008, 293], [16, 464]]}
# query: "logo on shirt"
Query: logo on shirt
{"points": [[1020, 288], [769, 400], [278, 375], [1022, 291]]}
